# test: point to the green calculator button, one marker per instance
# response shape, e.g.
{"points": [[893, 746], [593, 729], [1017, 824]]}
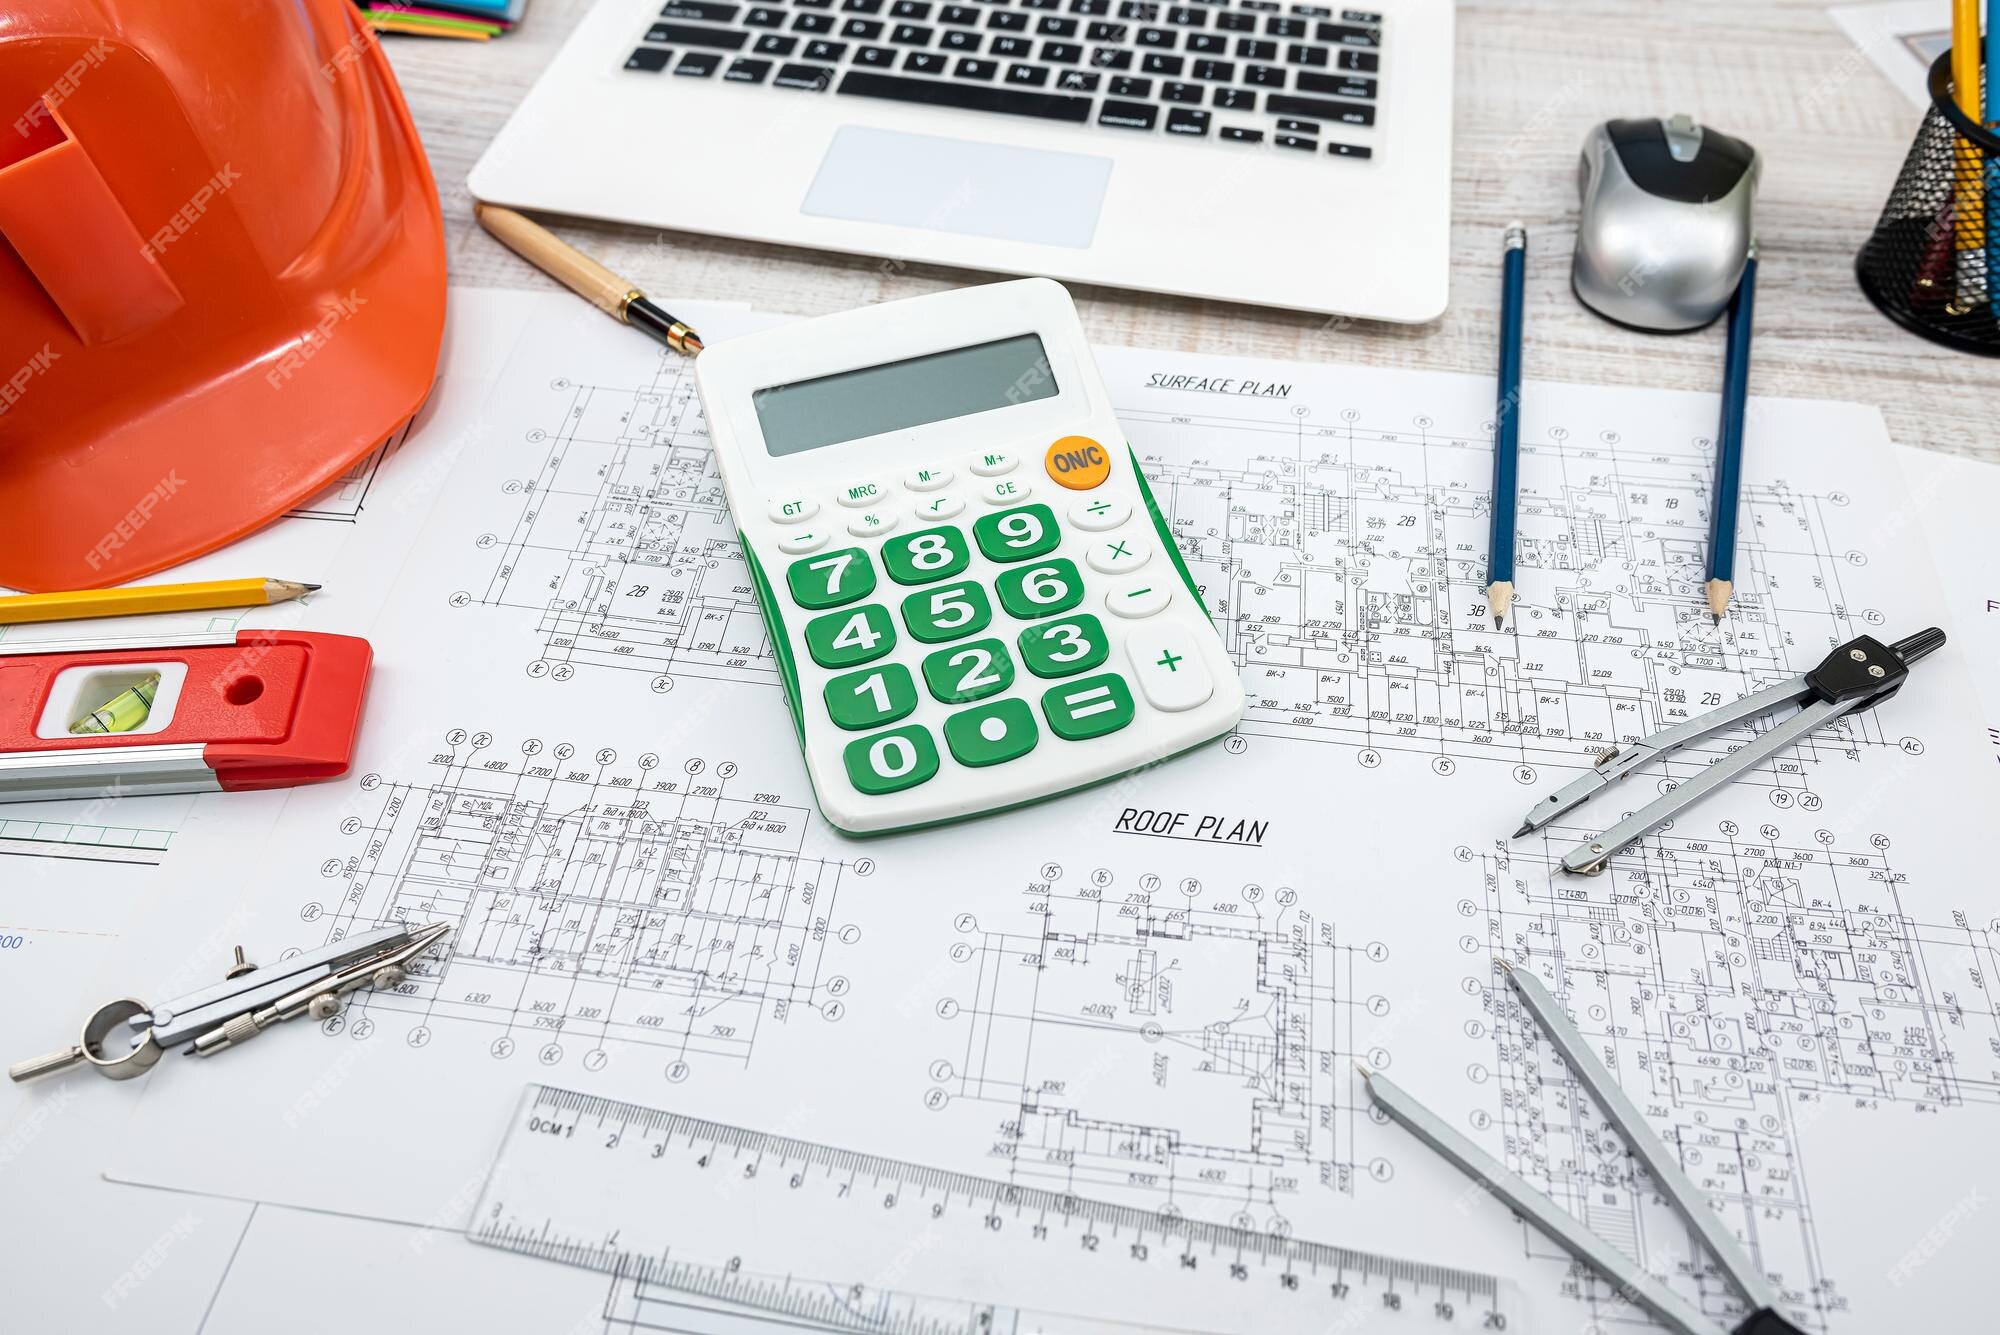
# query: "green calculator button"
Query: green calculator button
{"points": [[991, 734], [969, 671], [871, 697], [1062, 648], [935, 553], [947, 612], [830, 580], [891, 761], [858, 635], [1092, 707], [1018, 535], [1040, 590]]}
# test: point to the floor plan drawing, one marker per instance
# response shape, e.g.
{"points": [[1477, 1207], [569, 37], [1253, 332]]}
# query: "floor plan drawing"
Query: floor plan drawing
{"points": [[621, 541], [1346, 565], [597, 907], [1745, 984], [1187, 1044]]}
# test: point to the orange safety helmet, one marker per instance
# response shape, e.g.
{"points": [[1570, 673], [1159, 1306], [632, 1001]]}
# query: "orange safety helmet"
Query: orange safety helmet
{"points": [[222, 274]]}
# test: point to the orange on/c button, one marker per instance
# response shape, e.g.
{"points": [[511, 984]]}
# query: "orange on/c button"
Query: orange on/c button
{"points": [[1077, 462]]}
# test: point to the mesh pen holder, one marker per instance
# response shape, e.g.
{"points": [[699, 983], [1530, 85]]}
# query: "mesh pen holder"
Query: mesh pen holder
{"points": [[1933, 262]]}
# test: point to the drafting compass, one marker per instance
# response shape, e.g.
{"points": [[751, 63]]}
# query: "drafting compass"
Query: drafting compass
{"points": [[124, 1038], [1858, 675], [1661, 1163]]}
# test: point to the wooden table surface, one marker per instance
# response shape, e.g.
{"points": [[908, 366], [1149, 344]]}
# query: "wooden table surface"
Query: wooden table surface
{"points": [[1533, 76]]}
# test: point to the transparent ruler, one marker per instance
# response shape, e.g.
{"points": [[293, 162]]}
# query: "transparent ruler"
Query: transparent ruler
{"points": [[828, 1239]]}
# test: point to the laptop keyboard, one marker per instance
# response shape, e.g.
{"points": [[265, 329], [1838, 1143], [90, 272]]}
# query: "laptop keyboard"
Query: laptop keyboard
{"points": [[1305, 78]]}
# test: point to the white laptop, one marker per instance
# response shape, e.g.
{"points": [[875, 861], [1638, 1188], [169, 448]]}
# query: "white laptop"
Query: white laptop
{"points": [[1259, 151]]}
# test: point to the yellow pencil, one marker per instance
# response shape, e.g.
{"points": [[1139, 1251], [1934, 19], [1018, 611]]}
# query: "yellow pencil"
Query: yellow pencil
{"points": [[140, 598], [1969, 199]]}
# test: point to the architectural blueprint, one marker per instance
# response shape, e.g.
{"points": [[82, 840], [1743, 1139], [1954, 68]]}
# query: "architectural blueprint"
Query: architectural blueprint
{"points": [[1154, 990]]}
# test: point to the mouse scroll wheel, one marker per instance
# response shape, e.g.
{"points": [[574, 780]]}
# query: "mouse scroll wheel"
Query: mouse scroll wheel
{"points": [[1683, 137]]}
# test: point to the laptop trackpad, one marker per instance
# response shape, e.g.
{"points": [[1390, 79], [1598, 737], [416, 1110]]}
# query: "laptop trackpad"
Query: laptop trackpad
{"points": [[959, 185]]}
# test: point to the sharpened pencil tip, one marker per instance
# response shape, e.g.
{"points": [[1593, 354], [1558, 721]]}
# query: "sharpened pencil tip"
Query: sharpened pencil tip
{"points": [[310, 588], [1526, 828], [1498, 622], [1717, 616]]}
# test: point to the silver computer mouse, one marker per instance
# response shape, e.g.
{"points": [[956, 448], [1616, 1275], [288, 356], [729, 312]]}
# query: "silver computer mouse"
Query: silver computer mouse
{"points": [[1666, 222]]}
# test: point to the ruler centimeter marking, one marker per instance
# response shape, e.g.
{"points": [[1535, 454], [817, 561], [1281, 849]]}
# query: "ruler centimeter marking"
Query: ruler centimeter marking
{"points": [[554, 1195]]}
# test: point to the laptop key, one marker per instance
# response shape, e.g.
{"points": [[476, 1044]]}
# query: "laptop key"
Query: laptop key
{"points": [[1158, 37], [811, 78], [1236, 134], [1090, 8], [862, 30], [1077, 81], [1155, 63], [1139, 11], [811, 23], [958, 39], [1264, 76], [861, 6], [770, 44], [1124, 87], [677, 34], [1187, 16], [747, 71], [1335, 85], [1284, 104], [1364, 62], [1027, 76], [1252, 49], [705, 10], [1350, 150], [1207, 44], [1275, 27], [1010, 47], [1215, 71], [969, 68], [1180, 92], [1128, 115], [1110, 58], [914, 10], [970, 97], [1367, 16], [1287, 125], [924, 62], [1300, 54], [1342, 34], [698, 64], [879, 56], [1050, 26], [910, 34], [1002, 20], [830, 52], [764, 18], [1297, 141], [1187, 120], [1107, 32], [961, 15], [652, 59], [1234, 22], [1061, 53], [1235, 99]]}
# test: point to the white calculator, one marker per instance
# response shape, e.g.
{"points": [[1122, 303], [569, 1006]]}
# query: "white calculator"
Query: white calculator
{"points": [[973, 598]]}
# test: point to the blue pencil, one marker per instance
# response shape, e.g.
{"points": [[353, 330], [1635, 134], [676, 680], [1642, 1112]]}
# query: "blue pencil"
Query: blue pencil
{"points": [[1507, 429], [1729, 444]]}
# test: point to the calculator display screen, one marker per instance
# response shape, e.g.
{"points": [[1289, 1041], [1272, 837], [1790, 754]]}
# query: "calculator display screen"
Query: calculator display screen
{"points": [[895, 396]]}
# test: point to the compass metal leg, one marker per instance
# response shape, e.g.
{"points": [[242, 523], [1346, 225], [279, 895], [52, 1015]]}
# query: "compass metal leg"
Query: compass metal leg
{"points": [[1589, 858]]}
